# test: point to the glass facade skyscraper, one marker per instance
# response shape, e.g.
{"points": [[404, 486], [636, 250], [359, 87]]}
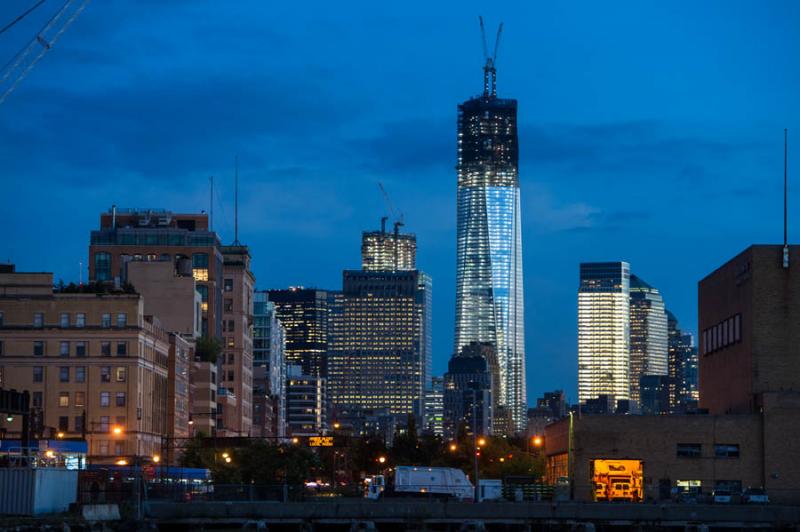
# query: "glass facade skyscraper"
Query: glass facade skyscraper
{"points": [[489, 295], [684, 390], [648, 334], [604, 331]]}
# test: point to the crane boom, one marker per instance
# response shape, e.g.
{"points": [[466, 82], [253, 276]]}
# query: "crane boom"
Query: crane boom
{"points": [[497, 42], [23, 62]]}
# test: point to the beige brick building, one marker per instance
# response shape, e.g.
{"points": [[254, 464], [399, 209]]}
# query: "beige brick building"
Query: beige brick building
{"points": [[235, 368], [94, 363]]}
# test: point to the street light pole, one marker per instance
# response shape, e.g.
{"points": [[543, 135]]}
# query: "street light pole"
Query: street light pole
{"points": [[475, 443]]}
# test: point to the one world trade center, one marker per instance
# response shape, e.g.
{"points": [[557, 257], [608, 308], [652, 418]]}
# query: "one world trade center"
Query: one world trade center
{"points": [[489, 295]]}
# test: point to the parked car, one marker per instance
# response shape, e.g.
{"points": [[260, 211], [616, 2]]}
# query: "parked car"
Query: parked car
{"points": [[755, 496], [722, 496]]}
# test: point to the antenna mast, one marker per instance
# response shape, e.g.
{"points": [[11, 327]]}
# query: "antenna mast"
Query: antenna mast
{"points": [[236, 204], [211, 203], [785, 198]]}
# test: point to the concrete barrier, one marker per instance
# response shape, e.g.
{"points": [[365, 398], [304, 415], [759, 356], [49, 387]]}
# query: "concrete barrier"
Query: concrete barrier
{"points": [[407, 511], [100, 512]]}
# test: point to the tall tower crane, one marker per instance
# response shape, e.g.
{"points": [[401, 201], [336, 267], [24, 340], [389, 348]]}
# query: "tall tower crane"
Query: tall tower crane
{"points": [[491, 60], [23, 62]]}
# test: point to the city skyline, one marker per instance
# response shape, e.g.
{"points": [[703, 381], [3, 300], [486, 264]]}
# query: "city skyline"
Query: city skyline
{"points": [[636, 128]]}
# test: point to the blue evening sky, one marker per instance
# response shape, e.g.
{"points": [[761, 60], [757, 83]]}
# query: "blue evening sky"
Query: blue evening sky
{"points": [[650, 132]]}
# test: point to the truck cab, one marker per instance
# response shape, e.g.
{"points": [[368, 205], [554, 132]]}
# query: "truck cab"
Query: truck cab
{"points": [[376, 487]]}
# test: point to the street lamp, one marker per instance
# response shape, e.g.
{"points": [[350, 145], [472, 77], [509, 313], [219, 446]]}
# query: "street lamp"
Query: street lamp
{"points": [[60, 435], [481, 442], [156, 459], [336, 425], [382, 459], [117, 430], [453, 447], [537, 441]]}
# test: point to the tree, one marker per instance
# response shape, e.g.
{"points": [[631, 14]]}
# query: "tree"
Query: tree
{"points": [[207, 349]]}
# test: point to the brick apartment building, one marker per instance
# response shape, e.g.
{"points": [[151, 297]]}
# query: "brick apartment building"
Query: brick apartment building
{"points": [[95, 364]]}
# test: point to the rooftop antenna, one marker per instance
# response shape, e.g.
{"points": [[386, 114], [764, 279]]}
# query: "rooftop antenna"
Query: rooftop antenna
{"points": [[236, 204], [211, 203], [490, 61], [785, 198]]}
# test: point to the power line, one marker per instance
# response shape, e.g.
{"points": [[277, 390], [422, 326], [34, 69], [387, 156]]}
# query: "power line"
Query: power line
{"points": [[22, 16]]}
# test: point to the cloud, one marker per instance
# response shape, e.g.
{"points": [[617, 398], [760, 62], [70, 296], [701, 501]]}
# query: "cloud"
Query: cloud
{"points": [[647, 149]]}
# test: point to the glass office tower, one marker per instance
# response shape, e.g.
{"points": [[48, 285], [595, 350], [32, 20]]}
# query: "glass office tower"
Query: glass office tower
{"points": [[489, 296], [648, 334], [604, 331], [684, 391]]}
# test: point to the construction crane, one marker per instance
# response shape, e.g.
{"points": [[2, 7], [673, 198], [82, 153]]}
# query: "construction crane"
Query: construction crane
{"points": [[490, 61], [397, 225], [23, 62], [396, 215]]}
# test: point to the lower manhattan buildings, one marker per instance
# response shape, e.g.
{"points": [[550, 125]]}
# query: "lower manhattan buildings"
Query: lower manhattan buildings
{"points": [[746, 433], [380, 346], [604, 331], [489, 285], [648, 334], [626, 340]]}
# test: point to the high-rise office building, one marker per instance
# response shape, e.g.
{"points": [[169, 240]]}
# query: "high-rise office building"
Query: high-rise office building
{"points": [[648, 333], [269, 369], [469, 386], [604, 331], [434, 408], [654, 394], [303, 313], [684, 392], [305, 403], [380, 356], [384, 251], [489, 294]]}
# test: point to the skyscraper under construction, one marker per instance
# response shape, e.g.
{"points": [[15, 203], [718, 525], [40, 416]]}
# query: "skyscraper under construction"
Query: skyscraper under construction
{"points": [[489, 295]]}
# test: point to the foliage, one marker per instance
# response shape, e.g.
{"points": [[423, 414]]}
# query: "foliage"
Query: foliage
{"points": [[95, 287], [207, 349]]}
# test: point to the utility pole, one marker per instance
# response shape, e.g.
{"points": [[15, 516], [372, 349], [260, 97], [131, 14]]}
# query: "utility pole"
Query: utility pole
{"points": [[475, 443]]}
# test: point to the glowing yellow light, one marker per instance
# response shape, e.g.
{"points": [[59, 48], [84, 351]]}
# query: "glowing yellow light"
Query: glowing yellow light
{"points": [[227, 459], [60, 435], [295, 440], [382, 459], [502, 459], [453, 447], [537, 441], [481, 441], [156, 458], [225, 455], [336, 425], [122, 462], [50, 454], [117, 430]]}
